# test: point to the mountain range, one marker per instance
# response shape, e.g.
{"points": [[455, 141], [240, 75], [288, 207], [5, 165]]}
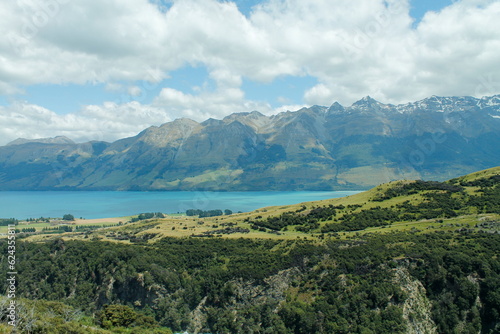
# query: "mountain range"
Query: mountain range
{"points": [[316, 148]]}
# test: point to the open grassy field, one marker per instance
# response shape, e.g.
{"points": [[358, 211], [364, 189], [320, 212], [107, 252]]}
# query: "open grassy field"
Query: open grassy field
{"points": [[39, 226]]}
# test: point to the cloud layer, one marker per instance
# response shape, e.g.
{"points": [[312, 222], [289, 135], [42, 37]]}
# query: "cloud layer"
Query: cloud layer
{"points": [[352, 48]]}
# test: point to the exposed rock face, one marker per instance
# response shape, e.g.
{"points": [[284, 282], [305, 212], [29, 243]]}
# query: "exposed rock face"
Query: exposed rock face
{"points": [[315, 148], [272, 291], [417, 307], [248, 293]]}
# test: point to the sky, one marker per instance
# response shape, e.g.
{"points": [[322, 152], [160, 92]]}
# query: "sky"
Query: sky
{"points": [[105, 70]]}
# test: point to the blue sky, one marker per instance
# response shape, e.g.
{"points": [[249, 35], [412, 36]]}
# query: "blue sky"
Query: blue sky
{"points": [[420, 7], [68, 98], [117, 69]]}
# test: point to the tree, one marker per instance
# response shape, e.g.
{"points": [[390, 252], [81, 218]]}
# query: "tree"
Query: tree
{"points": [[117, 316], [68, 217], [228, 212]]}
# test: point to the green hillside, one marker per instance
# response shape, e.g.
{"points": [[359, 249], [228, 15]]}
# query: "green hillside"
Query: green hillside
{"points": [[404, 257], [470, 202]]}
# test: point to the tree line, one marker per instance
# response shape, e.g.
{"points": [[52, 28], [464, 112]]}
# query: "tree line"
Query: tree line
{"points": [[207, 213]]}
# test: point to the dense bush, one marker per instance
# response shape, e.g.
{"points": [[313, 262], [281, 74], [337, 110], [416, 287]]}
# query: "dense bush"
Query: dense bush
{"points": [[415, 187], [233, 285], [341, 286], [68, 217], [207, 213], [8, 221], [147, 215]]}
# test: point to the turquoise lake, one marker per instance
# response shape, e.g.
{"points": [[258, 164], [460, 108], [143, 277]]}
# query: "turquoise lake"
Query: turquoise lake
{"points": [[104, 204]]}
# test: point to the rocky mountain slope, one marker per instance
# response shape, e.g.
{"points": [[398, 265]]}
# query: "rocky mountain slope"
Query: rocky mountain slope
{"points": [[316, 148]]}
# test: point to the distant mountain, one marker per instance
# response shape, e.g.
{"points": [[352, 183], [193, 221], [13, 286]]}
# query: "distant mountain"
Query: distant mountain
{"points": [[316, 148], [55, 140]]}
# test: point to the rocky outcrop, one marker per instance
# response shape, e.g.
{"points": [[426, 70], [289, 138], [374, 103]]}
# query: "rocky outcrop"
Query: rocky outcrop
{"points": [[417, 307], [245, 294]]}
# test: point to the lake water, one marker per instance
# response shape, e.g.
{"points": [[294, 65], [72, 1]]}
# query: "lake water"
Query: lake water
{"points": [[104, 204]]}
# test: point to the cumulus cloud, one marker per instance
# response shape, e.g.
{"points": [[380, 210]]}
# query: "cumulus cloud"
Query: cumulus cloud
{"points": [[352, 48], [320, 94], [457, 48], [207, 104], [108, 122]]}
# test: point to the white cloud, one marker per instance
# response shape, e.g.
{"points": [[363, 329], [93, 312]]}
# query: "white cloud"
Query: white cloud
{"points": [[457, 48], [226, 78], [207, 104], [108, 122], [289, 107], [135, 91], [352, 48], [319, 94]]}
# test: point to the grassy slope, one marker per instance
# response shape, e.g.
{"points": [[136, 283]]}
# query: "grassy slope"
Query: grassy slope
{"points": [[183, 226]]}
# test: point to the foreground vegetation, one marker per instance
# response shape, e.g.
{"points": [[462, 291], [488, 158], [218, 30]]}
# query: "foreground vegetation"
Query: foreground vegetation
{"points": [[445, 281], [403, 257]]}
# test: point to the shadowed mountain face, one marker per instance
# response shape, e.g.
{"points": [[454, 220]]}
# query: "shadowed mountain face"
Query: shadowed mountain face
{"points": [[317, 148]]}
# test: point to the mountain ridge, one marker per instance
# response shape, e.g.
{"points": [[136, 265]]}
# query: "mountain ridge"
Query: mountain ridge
{"points": [[315, 148]]}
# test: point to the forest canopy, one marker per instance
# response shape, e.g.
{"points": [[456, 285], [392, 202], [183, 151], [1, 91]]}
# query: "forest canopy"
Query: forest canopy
{"points": [[356, 286]]}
